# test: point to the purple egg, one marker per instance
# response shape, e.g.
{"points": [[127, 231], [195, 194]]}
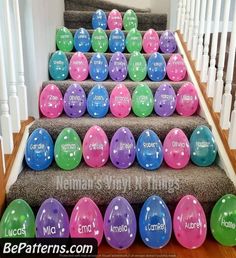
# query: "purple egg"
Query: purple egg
{"points": [[120, 224], [75, 101], [165, 100], [52, 220], [122, 148], [118, 67], [167, 42]]}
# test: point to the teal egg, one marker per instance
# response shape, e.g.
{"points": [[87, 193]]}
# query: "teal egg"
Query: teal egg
{"points": [[58, 66], [203, 146]]}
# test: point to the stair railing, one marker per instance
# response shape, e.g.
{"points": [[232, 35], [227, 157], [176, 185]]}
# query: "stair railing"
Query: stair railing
{"points": [[13, 98], [203, 27]]}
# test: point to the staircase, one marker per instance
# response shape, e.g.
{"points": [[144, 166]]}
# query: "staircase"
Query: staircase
{"points": [[208, 184]]}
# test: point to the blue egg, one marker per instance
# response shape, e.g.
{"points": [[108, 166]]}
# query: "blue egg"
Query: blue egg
{"points": [[58, 66], [82, 41], [117, 41], [98, 101], [156, 67], [98, 67], [149, 150], [99, 20], [155, 223], [39, 150]]}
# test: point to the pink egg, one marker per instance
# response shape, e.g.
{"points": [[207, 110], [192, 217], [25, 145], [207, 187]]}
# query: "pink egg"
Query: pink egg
{"points": [[86, 220], [187, 100], [151, 41], [176, 149], [120, 101], [176, 69], [189, 223], [51, 101], [95, 147], [114, 20], [79, 68]]}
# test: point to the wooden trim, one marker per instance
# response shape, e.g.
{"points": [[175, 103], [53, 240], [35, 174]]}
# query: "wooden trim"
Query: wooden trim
{"points": [[1, 176], [209, 101], [9, 160]]}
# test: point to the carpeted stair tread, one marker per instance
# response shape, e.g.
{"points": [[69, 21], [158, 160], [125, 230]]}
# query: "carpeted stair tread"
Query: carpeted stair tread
{"points": [[161, 125], [78, 19], [93, 5], [109, 84], [207, 184], [109, 55]]}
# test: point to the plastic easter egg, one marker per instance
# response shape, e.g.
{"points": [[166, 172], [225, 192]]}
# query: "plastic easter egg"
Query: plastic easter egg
{"points": [[118, 67], [137, 67], [58, 66], [52, 220], [130, 20], [99, 41], [189, 223], [75, 101], [168, 42], [98, 67], [51, 101], [98, 101], [95, 147], [86, 220], [39, 150], [120, 101], [99, 20], [122, 148], [68, 149], [223, 220], [134, 41], [156, 67], [117, 41], [149, 150], [114, 20], [203, 147], [78, 67], [165, 100], [82, 41], [176, 69], [64, 39], [187, 100], [150, 41], [142, 101], [176, 149], [18, 221], [120, 224], [155, 223]]}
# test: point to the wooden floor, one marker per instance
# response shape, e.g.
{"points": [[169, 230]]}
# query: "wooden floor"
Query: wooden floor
{"points": [[210, 249]]}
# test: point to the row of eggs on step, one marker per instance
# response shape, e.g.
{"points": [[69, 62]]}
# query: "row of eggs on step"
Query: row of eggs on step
{"points": [[137, 67], [176, 150], [164, 102], [119, 225], [117, 42]]}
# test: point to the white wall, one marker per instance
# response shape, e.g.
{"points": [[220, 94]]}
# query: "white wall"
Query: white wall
{"points": [[39, 19]]}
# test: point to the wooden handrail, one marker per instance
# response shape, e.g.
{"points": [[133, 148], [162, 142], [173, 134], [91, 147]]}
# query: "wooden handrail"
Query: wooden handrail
{"points": [[2, 175]]}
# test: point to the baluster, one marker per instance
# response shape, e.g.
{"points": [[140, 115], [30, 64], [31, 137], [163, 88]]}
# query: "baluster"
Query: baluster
{"points": [[20, 71], [183, 16], [200, 36], [179, 14], [191, 25], [220, 72], [205, 57], [5, 117], [212, 69], [227, 97], [232, 129], [186, 25], [196, 28], [11, 75]]}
